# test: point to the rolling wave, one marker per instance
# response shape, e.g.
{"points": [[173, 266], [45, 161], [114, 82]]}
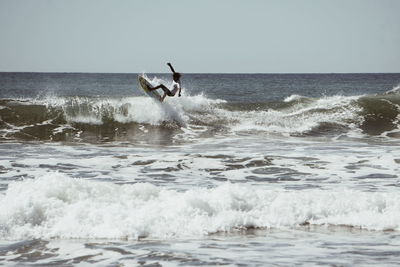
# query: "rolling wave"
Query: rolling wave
{"points": [[102, 119], [56, 206]]}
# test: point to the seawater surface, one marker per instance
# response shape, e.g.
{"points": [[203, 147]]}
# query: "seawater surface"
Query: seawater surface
{"points": [[242, 170]]}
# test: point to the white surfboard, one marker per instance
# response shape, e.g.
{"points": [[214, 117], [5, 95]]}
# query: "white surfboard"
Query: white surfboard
{"points": [[146, 86]]}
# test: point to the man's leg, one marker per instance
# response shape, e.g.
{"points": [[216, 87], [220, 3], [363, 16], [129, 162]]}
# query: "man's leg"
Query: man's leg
{"points": [[163, 97], [162, 86]]}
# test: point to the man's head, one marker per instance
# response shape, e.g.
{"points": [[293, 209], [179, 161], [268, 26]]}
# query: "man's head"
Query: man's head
{"points": [[176, 76]]}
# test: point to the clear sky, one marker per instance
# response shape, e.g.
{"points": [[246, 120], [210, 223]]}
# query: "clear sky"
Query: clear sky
{"points": [[247, 36]]}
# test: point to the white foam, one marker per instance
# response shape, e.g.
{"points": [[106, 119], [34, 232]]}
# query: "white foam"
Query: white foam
{"points": [[195, 103], [129, 109], [301, 117], [395, 90], [57, 206], [85, 119], [293, 98]]}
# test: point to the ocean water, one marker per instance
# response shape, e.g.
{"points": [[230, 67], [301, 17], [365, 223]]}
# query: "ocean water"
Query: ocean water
{"points": [[242, 170]]}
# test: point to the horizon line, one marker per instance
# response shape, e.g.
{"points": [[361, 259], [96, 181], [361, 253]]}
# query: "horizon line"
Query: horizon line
{"points": [[276, 73]]}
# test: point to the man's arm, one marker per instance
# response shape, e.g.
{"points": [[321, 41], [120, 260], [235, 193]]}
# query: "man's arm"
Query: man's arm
{"points": [[170, 66]]}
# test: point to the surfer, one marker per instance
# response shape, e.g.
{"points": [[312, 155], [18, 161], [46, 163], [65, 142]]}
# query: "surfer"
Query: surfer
{"points": [[175, 86]]}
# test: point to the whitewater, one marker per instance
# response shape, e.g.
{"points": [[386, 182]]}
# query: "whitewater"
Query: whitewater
{"points": [[242, 170]]}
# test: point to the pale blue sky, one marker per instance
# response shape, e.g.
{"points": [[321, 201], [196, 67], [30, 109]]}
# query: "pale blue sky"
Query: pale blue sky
{"points": [[253, 36]]}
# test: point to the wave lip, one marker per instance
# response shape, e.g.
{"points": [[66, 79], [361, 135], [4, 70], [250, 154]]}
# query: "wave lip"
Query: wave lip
{"points": [[292, 98], [57, 206], [395, 90]]}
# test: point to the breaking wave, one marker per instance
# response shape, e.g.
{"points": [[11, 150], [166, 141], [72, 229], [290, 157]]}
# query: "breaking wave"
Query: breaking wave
{"points": [[96, 118], [57, 206]]}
